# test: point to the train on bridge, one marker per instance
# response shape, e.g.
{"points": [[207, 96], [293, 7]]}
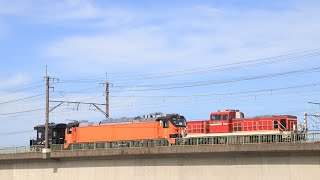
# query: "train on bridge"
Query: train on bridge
{"points": [[160, 129]]}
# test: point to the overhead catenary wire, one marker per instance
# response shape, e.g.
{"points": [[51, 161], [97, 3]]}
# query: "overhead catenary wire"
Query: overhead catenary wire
{"points": [[24, 87], [17, 132], [232, 98], [88, 90], [233, 93], [162, 103], [21, 86], [231, 66], [207, 83], [274, 89], [7, 102], [20, 112], [180, 84], [186, 103], [201, 70]]}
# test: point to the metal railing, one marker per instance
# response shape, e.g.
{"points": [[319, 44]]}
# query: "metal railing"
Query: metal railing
{"points": [[195, 141], [111, 145], [252, 139], [20, 149]]}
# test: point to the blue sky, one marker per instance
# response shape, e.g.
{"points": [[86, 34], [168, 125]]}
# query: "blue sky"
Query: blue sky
{"points": [[82, 40]]}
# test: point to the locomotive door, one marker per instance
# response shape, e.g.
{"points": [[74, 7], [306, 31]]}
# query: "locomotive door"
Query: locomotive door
{"points": [[159, 127], [74, 134], [163, 129]]}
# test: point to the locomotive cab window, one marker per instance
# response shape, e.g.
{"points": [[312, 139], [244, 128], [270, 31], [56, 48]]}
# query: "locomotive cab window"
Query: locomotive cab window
{"points": [[284, 123], [275, 124], [225, 117], [216, 117], [69, 130], [165, 124], [39, 135], [179, 122]]}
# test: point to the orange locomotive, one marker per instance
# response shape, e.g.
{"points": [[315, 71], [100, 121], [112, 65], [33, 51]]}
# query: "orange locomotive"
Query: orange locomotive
{"points": [[150, 127]]}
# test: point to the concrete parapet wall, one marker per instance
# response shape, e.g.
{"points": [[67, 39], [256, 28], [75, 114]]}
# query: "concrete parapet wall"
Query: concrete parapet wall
{"points": [[184, 167], [236, 162], [173, 150]]}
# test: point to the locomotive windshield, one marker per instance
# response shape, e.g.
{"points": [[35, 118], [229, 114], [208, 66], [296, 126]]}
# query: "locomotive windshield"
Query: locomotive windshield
{"points": [[179, 121]]}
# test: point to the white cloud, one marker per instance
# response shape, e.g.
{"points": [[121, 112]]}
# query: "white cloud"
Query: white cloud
{"points": [[208, 9], [12, 81], [194, 39], [116, 48], [67, 8], [65, 12]]}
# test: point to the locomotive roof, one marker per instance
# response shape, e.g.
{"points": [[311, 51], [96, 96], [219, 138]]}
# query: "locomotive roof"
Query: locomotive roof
{"points": [[271, 116], [118, 121], [51, 125], [145, 118], [266, 116]]}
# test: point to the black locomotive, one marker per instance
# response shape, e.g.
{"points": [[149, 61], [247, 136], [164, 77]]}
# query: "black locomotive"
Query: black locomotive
{"points": [[56, 134]]}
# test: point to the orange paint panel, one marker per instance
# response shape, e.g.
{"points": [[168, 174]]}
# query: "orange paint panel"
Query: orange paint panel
{"points": [[122, 132], [117, 132]]}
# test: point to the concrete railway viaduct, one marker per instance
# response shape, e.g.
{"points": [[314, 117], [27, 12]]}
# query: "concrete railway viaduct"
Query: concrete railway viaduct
{"points": [[285, 161]]}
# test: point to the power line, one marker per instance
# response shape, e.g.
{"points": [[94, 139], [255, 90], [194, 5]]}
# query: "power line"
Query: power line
{"points": [[209, 69], [14, 133], [212, 101], [90, 90], [234, 93], [230, 98], [79, 81], [22, 99], [243, 64], [20, 112], [207, 83], [23, 89], [24, 86], [188, 102], [229, 95]]}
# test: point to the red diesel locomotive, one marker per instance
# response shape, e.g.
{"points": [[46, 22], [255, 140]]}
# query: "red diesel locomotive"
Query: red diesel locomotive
{"points": [[233, 122]]}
